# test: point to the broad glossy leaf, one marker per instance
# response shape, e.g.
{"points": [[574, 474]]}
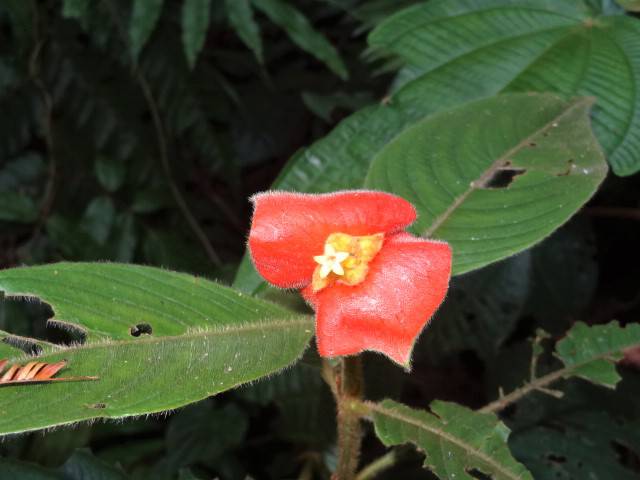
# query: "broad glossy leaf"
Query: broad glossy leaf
{"points": [[195, 23], [240, 16], [495, 176], [144, 17], [205, 338], [563, 46], [591, 352], [302, 33], [454, 439]]}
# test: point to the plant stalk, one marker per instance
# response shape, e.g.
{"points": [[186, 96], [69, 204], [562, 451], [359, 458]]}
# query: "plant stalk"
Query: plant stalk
{"points": [[349, 391]]}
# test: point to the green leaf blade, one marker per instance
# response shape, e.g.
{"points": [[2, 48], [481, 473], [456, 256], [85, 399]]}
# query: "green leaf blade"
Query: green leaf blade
{"points": [[144, 18], [205, 339], [302, 33], [446, 166], [564, 47], [240, 15], [195, 23], [591, 352], [454, 439]]}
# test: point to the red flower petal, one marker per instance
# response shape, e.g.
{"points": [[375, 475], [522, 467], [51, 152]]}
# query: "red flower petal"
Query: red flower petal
{"points": [[288, 229], [406, 284]]}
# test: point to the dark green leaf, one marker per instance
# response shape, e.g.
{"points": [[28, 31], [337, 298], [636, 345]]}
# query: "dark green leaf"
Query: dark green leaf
{"points": [[144, 17], [481, 310], [195, 23], [495, 176], [240, 16], [591, 352], [110, 173], [454, 439], [17, 207], [75, 8], [302, 33], [98, 219]]}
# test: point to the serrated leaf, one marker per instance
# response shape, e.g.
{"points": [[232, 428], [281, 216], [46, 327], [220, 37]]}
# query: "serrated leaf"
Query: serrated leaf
{"points": [[194, 338], [302, 33], [144, 18], [240, 15], [563, 46], [195, 23], [454, 439], [495, 176], [591, 352]]}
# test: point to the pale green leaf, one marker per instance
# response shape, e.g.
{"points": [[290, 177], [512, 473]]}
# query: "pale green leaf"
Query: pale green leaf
{"points": [[195, 23], [454, 439], [240, 16], [144, 17], [495, 176], [564, 46], [302, 33], [591, 352], [205, 339]]}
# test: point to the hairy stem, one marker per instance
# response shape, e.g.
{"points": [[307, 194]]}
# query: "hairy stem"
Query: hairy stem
{"points": [[349, 390]]}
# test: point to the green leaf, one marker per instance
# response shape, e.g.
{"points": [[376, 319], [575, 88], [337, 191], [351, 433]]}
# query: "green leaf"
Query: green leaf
{"points": [[302, 33], [240, 15], [17, 207], [564, 46], [201, 433], [144, 18], [324, 105], [205, 339], [195, 23], [591, 352], [82, 465], [98, 219], [454, 439], [75, 9], [495, 176], [110, 173]]}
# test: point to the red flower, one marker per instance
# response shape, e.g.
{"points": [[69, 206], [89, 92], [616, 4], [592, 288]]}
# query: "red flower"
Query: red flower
{"points": [[373, 286]]}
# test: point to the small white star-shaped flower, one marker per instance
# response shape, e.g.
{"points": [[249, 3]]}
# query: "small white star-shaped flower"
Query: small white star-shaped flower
{"points": [[331, 261]]}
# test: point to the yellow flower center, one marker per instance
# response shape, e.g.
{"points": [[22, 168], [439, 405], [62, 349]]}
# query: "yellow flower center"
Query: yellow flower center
{"points": [[345, 259]]}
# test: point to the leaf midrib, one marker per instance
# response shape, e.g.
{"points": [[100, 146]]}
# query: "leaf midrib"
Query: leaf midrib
{"points": [[205, 332], [497, 164], [440, 433]]}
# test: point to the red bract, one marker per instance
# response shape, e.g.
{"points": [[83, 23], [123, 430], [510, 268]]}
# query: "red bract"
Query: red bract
{"points": [[373, 286]]}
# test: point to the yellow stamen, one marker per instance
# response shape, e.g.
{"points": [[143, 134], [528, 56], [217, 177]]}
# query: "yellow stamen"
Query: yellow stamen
{"points": [[345, 259]]}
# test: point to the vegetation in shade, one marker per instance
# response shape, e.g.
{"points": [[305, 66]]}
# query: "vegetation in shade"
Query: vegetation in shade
{"points": [[135, 132]]}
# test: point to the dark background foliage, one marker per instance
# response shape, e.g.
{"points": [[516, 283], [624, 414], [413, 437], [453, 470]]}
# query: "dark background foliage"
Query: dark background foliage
{"points": [[125, 152]]}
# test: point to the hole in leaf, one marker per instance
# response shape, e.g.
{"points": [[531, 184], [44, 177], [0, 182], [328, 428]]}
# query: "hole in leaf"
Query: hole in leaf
{"points": [[556, 458], [25, 344], [475, 473], [98, 405], [503, 177], [141, 328], [571, 166]]}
